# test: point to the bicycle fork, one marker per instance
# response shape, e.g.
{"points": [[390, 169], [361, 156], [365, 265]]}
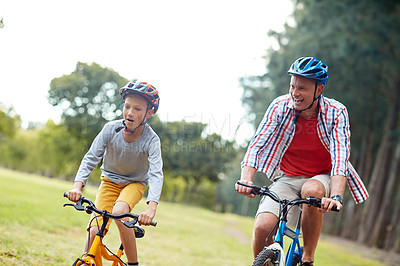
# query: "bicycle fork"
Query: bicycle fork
{"points": [[294, 252]]}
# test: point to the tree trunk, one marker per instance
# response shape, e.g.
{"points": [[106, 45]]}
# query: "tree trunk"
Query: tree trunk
{"points": [[351, 212], [382, 227], [379, 176], [392, 242], [383, 179], [375, 191]]}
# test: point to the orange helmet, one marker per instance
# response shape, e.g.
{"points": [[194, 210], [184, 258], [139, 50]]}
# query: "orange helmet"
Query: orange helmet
{"points": [[143, 89]]}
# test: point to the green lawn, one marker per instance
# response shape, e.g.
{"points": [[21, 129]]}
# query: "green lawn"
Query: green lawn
{"points": [[36, 230]]}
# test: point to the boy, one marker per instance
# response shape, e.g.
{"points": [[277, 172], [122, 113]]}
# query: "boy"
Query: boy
{"points": [[131, 153]]}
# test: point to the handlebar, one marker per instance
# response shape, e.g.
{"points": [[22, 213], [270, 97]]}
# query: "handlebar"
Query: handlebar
{"points": [[256, 190], [92, 208]]}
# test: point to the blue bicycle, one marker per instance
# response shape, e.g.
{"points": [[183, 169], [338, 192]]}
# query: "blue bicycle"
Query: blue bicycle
{"points": [[274, 255]]}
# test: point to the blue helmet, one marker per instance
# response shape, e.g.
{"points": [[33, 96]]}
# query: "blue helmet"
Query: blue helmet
{"points": [[310, 68]]}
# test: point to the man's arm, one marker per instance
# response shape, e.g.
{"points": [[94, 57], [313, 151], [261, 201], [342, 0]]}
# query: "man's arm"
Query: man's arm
{"points": [[337, 188], [338, 185], [247, 177]]}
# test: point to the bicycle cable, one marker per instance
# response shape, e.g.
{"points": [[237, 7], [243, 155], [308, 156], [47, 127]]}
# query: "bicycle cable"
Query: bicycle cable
{"points": [[98, 226]]}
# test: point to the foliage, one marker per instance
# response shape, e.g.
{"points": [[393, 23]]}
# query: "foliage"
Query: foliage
{"points": [[9, 122], [89, 97], [192, 162], [358, 41]]}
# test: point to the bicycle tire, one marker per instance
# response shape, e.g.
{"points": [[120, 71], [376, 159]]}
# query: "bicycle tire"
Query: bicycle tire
{"points": [[267, 257], [296, 260]]}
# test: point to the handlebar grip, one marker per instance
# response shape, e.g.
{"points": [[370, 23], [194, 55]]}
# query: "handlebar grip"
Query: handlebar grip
{"points": [[65, 194], [153, 223], [334, 209]]}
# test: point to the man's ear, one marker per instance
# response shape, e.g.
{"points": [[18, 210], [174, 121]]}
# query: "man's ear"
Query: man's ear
{"points": [[150, 113], [320, 89]]}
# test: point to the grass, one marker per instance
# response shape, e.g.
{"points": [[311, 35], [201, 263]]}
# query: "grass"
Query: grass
{"points": [[36, 230]]}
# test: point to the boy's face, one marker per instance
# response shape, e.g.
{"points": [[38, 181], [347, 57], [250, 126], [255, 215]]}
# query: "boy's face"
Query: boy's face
{"points": [[134, 110]]}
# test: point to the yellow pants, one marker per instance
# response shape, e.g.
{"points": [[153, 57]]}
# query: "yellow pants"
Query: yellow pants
{"points": [[109, 193]]}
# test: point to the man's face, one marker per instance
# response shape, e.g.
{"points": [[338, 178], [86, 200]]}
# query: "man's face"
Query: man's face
{"points": [[302, 92], [134, 110]]}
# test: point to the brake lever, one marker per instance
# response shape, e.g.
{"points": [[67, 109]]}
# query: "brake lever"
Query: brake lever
{"points": [[317, 203], [78, 206], [130, 224]]}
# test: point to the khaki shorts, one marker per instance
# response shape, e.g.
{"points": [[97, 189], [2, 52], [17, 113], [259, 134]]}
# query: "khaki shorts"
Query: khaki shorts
{"points": [[109, 193], [289, 188]]}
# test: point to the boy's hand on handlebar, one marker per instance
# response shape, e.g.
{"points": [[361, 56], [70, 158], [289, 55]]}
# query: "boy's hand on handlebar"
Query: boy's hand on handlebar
{"points": [[148, 215], [245, 191], [76, 192], [327, 204], [74, 195]]}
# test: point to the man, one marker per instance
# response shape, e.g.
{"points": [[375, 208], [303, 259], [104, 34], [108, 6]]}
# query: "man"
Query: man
{"points": [[303, 145]]}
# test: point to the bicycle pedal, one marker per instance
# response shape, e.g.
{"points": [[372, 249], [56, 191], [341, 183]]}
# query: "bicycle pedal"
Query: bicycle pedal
{"points": [[139, 231]]}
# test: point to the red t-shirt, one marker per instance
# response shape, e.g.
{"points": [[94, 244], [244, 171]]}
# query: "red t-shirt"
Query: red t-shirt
{"points": [[306, 156]]}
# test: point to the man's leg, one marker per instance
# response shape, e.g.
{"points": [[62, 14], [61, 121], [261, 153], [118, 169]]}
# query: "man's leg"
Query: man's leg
{"points": [[312, 219], [263, 226]]}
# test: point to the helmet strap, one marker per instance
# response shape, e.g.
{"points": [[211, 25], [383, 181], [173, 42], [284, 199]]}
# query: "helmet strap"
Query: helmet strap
{"points": [[309, 107], [141, 124]]}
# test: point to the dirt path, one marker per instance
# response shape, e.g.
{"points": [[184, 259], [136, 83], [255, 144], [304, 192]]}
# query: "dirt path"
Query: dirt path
{"points": [[387, 258], [232, 230]]}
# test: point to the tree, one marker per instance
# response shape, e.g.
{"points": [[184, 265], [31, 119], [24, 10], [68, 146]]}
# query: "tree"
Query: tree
{"points": [[193, 161], [89, 97], [9, 121]]}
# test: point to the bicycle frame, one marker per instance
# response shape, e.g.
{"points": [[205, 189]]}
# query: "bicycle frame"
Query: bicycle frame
{"points": [[294, 250], [98, 251], [284, 230]]}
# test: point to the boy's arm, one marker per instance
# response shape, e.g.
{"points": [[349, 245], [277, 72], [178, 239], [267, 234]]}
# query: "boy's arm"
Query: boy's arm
{"points": [[148, 215], [155, 173], [76, 192], [93, 156]]}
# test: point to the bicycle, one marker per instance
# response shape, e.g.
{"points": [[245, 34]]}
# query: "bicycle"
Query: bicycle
{"points": [[273, 254], [98, 250]]}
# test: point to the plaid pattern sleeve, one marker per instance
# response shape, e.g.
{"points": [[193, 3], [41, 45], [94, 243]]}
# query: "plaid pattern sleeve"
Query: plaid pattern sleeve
{"points": [[272, 138]]}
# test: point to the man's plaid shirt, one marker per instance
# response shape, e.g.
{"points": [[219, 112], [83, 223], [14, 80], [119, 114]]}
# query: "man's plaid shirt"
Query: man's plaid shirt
{"points": [[276, 131]]}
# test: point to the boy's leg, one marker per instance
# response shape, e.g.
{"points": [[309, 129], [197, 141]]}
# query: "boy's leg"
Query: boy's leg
{"points": [[130, 195], [106, 196], [93, 231], [127, 235]]}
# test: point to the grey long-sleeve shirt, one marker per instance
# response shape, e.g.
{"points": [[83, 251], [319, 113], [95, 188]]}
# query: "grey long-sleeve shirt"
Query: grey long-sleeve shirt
{"points": [[123, 162]]}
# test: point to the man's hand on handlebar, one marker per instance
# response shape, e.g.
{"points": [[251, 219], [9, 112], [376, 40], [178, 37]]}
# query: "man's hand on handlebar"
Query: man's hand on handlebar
{"points": [[245, 191], [327, 204]]}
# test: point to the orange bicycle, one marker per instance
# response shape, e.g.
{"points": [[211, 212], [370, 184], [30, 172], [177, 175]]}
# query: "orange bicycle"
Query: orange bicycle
{"points": [[98, 250]]}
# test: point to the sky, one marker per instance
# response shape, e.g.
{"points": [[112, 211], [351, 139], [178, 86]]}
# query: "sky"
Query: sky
{"points": [[193, 52]]}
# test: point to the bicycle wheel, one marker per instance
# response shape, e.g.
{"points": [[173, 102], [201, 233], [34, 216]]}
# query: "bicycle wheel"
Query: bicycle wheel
{"points": [[267, 257], [296, 260]]}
